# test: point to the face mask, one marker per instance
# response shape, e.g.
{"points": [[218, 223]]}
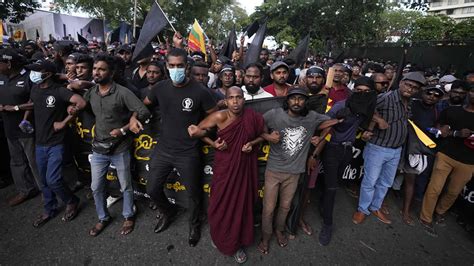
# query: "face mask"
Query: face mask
{"points": [[36, 77], [177, 75]]}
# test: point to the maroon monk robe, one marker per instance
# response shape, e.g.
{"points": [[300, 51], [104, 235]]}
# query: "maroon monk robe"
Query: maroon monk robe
{"points": [[234, 185]]}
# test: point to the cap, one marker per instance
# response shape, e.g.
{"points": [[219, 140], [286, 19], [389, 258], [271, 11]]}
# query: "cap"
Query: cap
{"points": [[40, 65], [197, 55], [365, 81], [315, 71], [222, 60], [297, 90], [9, 54], [435, 88], [277, 65], [125, 48], [416, 77], [447, 79]]}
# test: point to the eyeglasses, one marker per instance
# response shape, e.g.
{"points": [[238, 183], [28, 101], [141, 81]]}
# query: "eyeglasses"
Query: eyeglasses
{"points": [[412, 86], [433, 93]]}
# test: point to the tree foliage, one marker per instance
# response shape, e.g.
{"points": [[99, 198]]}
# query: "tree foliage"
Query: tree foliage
{"points": [[215, 16], [398, 22], [16, 10], [432, 28], [336, 23], [463, 30]]}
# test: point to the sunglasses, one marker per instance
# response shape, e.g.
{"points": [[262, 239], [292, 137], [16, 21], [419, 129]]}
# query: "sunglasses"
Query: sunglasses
{"points": [[433, 93]]}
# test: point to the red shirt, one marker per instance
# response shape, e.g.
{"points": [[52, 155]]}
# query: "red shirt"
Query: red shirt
{"points": [[338, 93], [271, 89]]}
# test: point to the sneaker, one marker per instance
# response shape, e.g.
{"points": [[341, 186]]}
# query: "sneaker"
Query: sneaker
{"points": [[325, 235], [111, 200], [440, 220], [429, 228]]}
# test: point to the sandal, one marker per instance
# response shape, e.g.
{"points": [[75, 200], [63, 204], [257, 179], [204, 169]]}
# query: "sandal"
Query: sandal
{"points": [[127, 226], [240, 256], [407, 219], [429, 228], [262, 248], [99, 227], [283, 241], [71, 212], [306, 228], [41, 220]]}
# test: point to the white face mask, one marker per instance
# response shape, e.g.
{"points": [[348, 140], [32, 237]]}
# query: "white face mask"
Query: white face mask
{"points": [[177, 75], [36, 77]]}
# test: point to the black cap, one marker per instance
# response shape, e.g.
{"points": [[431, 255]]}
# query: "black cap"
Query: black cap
{"points": [[315, 71], [125, 48], [9, 54], [436, 88], [297, 90], [365, 81], [42, 65]]}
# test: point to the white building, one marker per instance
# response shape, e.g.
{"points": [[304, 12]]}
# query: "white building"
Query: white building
{"points": [[456, 9]]}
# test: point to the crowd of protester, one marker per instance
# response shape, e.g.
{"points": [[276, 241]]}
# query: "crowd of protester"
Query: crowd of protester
{"points": [[327, 107]]}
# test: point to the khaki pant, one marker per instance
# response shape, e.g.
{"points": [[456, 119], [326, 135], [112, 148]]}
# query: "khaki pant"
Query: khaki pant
{"points": [[459, 173], [277, 184]]}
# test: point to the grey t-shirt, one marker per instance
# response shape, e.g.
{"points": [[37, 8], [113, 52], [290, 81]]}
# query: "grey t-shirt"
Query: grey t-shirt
{"points": [[290, 154]]}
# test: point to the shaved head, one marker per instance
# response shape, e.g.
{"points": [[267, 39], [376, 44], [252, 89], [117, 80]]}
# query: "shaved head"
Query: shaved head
{"points": [[227, 92]]}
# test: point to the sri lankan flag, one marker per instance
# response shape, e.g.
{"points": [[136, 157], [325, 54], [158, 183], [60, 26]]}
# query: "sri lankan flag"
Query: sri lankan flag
{"points": [[196, 41]]}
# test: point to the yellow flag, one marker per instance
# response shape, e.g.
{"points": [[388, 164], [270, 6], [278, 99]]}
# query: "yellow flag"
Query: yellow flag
{"points": [[422, 136]]}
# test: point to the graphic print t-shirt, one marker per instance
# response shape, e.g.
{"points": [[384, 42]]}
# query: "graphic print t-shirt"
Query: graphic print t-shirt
{"points": [[290, 154], [50, 105], [180, 107]]}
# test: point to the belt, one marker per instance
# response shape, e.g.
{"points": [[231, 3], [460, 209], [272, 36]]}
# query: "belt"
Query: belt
{"points": [[344, 143]]}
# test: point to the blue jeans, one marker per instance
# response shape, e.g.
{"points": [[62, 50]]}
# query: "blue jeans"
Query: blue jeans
{"points": [[49, 162], [99, 166], [380, 167]]}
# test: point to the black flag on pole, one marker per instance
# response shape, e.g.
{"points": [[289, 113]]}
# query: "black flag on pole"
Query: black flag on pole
{"points": [[300, 52], [81, 39], [252, 28], [155, 21], [230, 45], [37, 34], [253, 51], [89, 30]]}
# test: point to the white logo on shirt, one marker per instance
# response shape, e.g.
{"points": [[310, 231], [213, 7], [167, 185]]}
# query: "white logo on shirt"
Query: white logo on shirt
{"points": [[20, 84], [187, 104], [292, 140], [50, 101]]}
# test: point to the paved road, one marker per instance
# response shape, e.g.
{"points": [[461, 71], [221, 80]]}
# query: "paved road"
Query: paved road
{"points": [[369, 243]]}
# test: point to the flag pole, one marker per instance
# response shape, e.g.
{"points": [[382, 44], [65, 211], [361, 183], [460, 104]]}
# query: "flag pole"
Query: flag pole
{"points": [[134, 19], [156, 2]]}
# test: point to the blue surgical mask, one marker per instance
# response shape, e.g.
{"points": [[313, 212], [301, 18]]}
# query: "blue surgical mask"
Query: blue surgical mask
{"points": [[177, 75], [36, 77]]}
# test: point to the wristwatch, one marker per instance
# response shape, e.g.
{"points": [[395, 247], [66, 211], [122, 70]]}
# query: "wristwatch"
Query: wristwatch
{"points": [[16, 108], [123, 131]]}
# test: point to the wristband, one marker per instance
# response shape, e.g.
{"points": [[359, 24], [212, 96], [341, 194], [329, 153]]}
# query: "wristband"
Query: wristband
{"points": [[123, 131]]}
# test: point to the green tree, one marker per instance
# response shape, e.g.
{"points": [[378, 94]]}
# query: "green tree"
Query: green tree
{"points": [[16, 10], [342, 23], [215, 16], [463, 30], [432, 28], [398, 22]]}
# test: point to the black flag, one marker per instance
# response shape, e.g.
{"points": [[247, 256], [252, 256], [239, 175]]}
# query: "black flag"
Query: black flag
{"points": [[230, 45], [81, 39], [252, 28], [155, 21], [299, 53], [37, 34], [115, 35], [89, 30], [253, 52]]}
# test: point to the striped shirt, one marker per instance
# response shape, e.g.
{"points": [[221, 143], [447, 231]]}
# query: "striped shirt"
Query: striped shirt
{"points": [[392, 110]]}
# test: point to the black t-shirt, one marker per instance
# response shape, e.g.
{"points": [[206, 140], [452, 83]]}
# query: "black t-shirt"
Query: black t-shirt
{"points": [[457, 118], [180, 107], [14, 91], [424, 116], [50, 105]]}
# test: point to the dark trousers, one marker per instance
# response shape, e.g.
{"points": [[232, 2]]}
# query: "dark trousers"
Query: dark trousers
{"points": [[422, 180], [49, 161], [23, 165], [190, 170], [336, 158]]}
